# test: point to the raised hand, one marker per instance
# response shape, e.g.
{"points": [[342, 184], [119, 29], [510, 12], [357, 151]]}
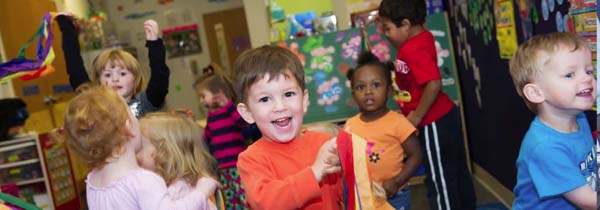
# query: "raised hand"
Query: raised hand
{"points": [[151, 29]]}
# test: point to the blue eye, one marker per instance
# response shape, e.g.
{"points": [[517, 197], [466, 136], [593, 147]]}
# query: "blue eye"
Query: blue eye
{"points": [[590, 72]]}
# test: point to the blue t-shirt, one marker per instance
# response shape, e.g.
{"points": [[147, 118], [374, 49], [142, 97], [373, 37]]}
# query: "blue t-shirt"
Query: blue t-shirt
{"points": [[552, 163]]}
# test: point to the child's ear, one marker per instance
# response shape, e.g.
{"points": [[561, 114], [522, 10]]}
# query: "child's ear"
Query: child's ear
{"points": [[533, 92], [305, 101], [405, 22], [245, 113]]}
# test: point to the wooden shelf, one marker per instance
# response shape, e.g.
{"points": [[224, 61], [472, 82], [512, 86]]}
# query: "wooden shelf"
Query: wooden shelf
{"points": [[20, 163], [24, 138], [17, 146], [30, 181]]}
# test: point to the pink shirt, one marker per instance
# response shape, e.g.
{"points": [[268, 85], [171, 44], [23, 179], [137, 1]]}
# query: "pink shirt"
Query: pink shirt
{"points": [[143, 190], [179, 189]]}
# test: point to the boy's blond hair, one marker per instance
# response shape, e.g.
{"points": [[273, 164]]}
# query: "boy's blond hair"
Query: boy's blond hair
{"points": [[181, 152], [527, 62], [252, 65], [95, 125], [118, 58]]}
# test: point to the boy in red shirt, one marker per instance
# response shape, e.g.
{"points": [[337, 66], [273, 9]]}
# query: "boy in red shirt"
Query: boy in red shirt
{"points": [[287, 168], [448, 181]]}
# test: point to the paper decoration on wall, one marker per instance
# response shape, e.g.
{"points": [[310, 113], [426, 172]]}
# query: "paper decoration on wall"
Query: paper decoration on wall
{"points": [[182, 40], [139, 15], [506, 33], [529, 16], [463, 47], [434, 6], [187, 16], [27, 69], [481, 18], [62, 88], [241, 43], [31, 90]]}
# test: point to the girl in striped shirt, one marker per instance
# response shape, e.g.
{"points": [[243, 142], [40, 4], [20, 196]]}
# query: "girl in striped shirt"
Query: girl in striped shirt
{"points": [[223, 131]]}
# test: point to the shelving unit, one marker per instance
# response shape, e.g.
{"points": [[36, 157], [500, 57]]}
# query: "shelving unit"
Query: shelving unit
{"points": [[41, 169], [20, 163]]}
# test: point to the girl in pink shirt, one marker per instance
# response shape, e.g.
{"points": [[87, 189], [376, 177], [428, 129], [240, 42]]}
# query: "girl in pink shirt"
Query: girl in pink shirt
{"points": [[102, 131], [174, 148]]}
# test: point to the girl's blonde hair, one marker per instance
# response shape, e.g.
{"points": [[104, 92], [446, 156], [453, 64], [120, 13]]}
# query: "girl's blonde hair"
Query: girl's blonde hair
{"points": [[119, 58], [180, 149], [95, 125]]}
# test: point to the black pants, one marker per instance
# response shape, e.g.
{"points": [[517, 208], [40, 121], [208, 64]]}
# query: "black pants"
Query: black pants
{"points": [[449, 184]]}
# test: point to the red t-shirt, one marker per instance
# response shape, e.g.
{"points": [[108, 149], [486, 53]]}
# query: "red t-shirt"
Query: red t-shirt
{"points": [[416, 64]]}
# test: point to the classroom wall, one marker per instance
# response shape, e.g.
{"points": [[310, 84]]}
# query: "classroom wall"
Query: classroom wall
{"points": [[177, 12], [496, 117]]}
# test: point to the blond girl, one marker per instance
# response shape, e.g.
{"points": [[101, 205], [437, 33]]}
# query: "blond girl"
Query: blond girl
{"points": [[119, 69], [174, 148]]}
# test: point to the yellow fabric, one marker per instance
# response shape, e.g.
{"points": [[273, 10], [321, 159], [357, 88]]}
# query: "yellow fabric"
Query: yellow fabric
{"points": [[385, 136], [370, 196]]}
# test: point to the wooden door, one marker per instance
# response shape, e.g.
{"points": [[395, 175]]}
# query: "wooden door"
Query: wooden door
{"points": [[19, 20], [227, 36]]}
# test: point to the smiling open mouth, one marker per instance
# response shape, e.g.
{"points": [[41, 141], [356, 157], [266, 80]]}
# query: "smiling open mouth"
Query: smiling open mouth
{"points": [[282, 122]]}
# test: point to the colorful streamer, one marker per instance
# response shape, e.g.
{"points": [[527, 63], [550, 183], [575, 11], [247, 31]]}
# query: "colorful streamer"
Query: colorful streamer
{"points": [[27, 69], [360, 193]]}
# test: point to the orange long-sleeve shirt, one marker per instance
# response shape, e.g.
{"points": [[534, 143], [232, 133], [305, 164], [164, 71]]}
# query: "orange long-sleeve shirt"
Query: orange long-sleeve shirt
{"points": [[278, 175]]}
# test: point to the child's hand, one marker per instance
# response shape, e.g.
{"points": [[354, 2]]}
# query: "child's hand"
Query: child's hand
{"points": [[151, 29], [391, 187], [207, 185], [218, 101], [327, 160]]}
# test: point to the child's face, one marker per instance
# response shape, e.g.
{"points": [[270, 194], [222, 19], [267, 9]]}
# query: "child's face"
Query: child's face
{"points": [[567, 80], [209, 99], [145, 156], [370, 89], [277, 107], [396, 35], [118, 78]]}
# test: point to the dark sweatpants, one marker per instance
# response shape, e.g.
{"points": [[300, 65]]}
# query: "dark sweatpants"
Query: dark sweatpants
{"points": [[449, 184]]}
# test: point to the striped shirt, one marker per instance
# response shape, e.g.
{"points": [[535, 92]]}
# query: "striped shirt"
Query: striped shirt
{"points": [[223, 134]]}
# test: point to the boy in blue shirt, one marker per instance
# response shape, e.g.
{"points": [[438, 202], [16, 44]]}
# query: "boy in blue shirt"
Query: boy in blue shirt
{"points": [[556, 167]]}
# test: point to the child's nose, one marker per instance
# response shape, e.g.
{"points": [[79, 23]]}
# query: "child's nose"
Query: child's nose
{"points": [[278, 105]]}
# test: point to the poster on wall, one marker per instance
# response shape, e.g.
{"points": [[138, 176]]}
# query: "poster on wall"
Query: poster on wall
{"points": [[328, 57], [182, 40], [506, 32]]}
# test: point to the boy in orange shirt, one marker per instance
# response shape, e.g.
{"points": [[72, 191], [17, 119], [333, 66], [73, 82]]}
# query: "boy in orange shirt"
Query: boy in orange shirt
{"points": [[287, 168]]}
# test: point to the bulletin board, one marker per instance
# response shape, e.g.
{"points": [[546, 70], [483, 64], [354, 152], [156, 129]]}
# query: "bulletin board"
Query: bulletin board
{"points": [[328, 57], [496, 116]]}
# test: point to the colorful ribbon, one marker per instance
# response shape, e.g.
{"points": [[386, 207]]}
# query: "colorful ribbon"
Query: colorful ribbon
{"points": [[359, 190], [27, 69]]}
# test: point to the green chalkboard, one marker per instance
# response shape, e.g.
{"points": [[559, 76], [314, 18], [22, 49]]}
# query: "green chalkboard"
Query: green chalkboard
{"points": [[328, 57]]}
